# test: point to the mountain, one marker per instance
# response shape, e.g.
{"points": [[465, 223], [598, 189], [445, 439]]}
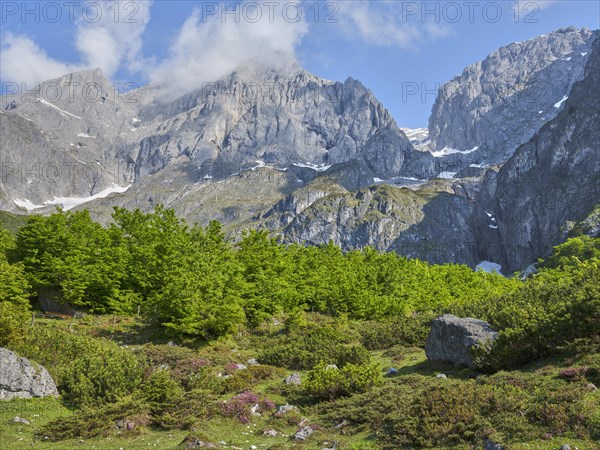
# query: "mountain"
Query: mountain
{"points": [[553, 181], [60, 140], [499, 103], [508, 214], [275, 116], [312, 161]]}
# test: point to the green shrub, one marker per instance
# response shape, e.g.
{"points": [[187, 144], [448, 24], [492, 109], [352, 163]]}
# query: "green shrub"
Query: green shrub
{"points": [[159, 389], [206, 379], [565, 410], [13, 320], [405, 331], [87, 370], [325, 382], [188, 412], [242, 380], [551, 310], [416, 411], [305, 347], [573, 252], [264, 372], [169, 355], [104, 374], [440, 415], [182, 362], [14, 302], [91, 422]]}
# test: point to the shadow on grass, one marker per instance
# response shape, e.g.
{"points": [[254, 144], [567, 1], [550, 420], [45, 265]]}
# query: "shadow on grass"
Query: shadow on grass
{"points": [[135, 334], [430, 368]]}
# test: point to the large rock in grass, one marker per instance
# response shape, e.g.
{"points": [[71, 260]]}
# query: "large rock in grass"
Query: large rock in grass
{"points": [[451, 339], [20, 378]]}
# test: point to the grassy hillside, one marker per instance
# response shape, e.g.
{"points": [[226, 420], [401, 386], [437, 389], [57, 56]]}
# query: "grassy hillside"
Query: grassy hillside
{"points": [[534, 407]]}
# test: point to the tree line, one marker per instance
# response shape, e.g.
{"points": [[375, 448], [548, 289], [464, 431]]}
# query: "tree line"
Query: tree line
{"points": [[194, 280]]}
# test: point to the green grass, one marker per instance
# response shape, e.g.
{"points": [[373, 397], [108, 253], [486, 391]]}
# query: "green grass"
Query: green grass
{"points": [[16, 436]]}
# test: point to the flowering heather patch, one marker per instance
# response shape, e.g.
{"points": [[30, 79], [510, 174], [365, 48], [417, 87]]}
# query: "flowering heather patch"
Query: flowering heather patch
{"points": [[572, 373], [239, 407]]}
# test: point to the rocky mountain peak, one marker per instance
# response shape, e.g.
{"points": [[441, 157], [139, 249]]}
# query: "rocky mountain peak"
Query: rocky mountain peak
{"points": [[280, 66], [500, 102]]}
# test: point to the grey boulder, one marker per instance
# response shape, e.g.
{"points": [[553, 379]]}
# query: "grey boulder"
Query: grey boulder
{"points": [[451, 339], [20, 378], [284, 409], [491, 445], [305, 432], [293, 378]]}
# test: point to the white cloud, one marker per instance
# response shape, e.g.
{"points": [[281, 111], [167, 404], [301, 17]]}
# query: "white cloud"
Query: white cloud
{"points": [[386, 23], [113, 41], [205, 49], [209, 48], [23, 61], [108, 44]]}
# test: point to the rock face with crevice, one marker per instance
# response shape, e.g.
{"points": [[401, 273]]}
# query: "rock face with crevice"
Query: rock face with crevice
{"points": [[553, 180], [21, 378]]}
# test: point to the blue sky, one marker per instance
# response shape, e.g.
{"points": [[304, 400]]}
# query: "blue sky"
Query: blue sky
{"points": [[397, 49]]}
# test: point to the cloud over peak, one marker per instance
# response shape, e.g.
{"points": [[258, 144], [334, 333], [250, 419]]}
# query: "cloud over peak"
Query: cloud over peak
{"points": [[208, 48]]}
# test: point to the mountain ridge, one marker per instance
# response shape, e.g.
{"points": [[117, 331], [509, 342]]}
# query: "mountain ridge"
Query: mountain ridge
{"points": [[310, 160]]}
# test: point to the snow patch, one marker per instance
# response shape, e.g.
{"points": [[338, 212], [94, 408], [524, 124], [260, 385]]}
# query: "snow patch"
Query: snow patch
{"points": [[416, 133], [494, 227], [583, 54], [377, 180], [47, 103], [259, 164], [318, 168], [417, 136], [83, 135], [449, 151], [68, 203], [26, 204], [489, 266], [446, 175], [559, 104]]}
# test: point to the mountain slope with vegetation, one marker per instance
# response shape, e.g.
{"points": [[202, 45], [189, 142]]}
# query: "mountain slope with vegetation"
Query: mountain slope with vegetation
{"points": [[186, 339]]}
